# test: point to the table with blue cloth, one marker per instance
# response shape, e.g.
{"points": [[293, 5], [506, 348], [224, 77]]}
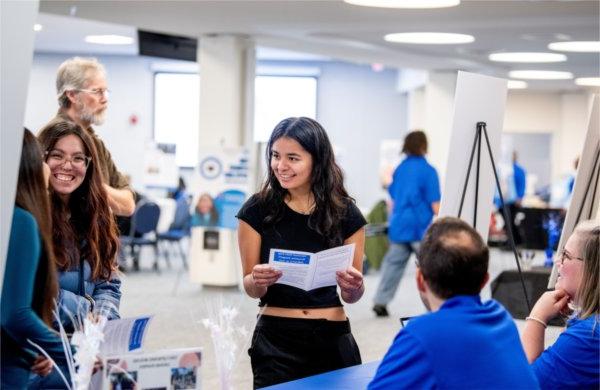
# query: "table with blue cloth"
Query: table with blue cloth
{"points": [[355, 377]]}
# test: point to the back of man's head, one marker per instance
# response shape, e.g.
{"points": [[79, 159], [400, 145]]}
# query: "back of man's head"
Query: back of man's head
{"points": [[74, 74], [453, 258]]}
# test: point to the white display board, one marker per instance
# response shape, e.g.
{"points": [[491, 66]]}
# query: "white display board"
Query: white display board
{"points": [[586, 190], [478, 98]]}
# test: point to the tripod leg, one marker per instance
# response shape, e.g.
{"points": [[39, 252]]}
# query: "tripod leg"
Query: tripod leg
{"points": [[464, 191], [477, 175], [506, 215]]}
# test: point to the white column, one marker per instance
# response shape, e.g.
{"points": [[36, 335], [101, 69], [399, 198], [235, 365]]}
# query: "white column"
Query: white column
{"points": [[227, 66], [568, 140], [16, 31]]}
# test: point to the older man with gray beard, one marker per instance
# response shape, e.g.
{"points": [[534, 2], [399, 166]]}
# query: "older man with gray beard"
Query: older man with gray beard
{"points": [[83, 99]]}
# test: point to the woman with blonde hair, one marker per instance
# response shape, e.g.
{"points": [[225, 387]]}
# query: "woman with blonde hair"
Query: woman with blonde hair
{"points": [[573, 360]]}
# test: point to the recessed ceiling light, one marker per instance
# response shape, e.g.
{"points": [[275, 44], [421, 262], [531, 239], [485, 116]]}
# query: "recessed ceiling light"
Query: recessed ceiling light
{"points": [[429, 38], [527, 57], [405, 3], [588, 81], [37, 27], [576, 46], [516, 84], [109, 39], [540, 75]]}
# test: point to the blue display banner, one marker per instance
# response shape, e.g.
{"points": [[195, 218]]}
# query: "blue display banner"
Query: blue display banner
{"points": [[137, 333], [294, 258]]}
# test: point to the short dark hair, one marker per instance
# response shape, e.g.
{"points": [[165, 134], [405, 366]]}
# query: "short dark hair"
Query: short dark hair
{"points": [[415, 143], [453, 258]]}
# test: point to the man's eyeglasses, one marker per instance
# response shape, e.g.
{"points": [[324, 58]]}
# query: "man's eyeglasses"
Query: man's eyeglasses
{"points": [[565, 255], [55, 158], [97, 91]]}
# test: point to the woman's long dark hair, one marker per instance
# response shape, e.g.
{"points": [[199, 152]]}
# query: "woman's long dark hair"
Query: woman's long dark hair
{"points": [[32, 195], [327, 179], [87, 218]]}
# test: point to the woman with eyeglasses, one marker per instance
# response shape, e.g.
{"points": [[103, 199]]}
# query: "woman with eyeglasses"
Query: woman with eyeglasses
{"points": [[573, 361], [85, 235], [30, 286]]}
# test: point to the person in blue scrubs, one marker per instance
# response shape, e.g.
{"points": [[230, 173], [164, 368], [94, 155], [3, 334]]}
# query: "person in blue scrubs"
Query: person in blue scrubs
{"points": [[573, 361], [415, 193], [463, 343], [30, 285]]}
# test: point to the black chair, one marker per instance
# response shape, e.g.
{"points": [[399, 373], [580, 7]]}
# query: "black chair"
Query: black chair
{"points": [[178, 230], [143, 231]]}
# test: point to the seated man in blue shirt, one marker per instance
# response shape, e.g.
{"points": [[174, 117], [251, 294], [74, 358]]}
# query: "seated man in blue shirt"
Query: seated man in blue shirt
{"points": [[463, 342]]}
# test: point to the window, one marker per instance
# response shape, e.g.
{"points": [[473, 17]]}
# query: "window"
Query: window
{"points": [[176, 108], [279, 97]]}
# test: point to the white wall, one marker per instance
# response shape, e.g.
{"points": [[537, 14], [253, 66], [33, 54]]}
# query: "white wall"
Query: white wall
{"points": [[565, 116], [130, 80], [562, 115], [359, 108]]}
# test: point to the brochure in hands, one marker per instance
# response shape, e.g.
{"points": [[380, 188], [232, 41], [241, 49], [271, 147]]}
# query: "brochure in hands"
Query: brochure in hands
{"points": [[309, 271]]}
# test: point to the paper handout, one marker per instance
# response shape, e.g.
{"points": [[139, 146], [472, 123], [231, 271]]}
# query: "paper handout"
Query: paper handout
{"points": [[124, 335], [309, 271]]}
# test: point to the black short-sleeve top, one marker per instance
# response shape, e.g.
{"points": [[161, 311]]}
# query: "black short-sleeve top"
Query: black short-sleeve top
{"points": [[293, 233]]}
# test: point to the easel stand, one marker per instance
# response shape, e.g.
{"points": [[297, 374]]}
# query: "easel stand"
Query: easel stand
{"points": [[481, 129]]}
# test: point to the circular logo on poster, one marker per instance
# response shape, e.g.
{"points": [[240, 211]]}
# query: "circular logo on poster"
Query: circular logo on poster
{"points": [[210, 168]]}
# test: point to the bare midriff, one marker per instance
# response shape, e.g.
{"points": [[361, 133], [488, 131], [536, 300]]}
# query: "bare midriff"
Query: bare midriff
{"points": [[327, 313]]}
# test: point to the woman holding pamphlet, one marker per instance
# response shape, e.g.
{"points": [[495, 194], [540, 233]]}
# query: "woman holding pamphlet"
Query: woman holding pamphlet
{"points": [[300, 237], [572, 361], [85, 234], [30, 286]]}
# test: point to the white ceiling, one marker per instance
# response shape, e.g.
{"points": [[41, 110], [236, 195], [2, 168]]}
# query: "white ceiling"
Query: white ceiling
{"points": [[335, 29]]}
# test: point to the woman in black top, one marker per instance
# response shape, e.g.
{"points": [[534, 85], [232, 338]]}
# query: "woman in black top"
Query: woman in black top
{"points": [[302, 206]]}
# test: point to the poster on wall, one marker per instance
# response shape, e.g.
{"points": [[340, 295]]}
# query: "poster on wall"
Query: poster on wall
{"points": [[160, 168], [220, 186]]}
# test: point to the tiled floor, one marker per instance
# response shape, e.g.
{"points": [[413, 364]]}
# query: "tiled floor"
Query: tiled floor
{"points": [[177, 317]]}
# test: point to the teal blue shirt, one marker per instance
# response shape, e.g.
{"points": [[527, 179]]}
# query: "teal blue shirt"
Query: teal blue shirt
{"points": [[19, 321]]}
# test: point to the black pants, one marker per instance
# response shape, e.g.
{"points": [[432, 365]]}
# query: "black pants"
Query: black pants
{"points": [[284, 349]]}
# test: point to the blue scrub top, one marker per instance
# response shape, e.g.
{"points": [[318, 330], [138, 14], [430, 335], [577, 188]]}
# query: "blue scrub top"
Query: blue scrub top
{"points": [[573, 361], [415, 186], [466, 344]]}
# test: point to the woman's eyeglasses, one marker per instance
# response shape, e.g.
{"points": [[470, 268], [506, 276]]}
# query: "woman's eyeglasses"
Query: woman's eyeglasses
{"points": [[565, 255], [56, 158]]}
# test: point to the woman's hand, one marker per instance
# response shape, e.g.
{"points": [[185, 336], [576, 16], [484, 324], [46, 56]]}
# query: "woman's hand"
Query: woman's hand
{"points": [[350, 279], [550, 305], [42, 366], [264, 275], [351, 284]]}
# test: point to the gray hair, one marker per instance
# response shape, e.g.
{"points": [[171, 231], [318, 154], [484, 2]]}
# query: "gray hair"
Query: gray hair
{"points": [[73, 74]]}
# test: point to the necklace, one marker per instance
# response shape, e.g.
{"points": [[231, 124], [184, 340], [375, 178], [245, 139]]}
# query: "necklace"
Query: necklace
{"points": [[304, 209]]}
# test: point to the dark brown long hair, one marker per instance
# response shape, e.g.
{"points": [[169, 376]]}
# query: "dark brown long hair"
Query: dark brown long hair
{"points": [[327, 179], [32, 195], [85, 227]]}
